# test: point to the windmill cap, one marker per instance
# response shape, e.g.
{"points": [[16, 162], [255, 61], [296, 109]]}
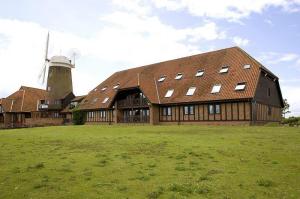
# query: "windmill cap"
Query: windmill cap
{"points": [[61, 61]]}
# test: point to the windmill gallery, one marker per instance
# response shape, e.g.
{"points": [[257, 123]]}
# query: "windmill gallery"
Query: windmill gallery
{"points": [[226, 86]]}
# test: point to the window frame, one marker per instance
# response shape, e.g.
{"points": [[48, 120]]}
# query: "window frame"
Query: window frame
{"points": [[216, 85], [167, 111], [224, 69], [194, 88], [199, 73], [189, 110], [240, 84], [179, 76], [247, 66], [162, 78], [105, 100], [170, 91]]}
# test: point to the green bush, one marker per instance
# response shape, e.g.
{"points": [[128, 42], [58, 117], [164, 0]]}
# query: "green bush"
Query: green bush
{"points": [[291, 121], [78, 117]]}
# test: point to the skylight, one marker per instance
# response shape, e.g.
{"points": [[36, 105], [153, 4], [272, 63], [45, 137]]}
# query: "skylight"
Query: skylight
{"points": [[104, 88], [216, 88], [224, 69], [191, 91], [199, 73], [169, 93], [179, 76], [95, 100], [162, 78], [116, 86], [240, 86], [247, 66], [105, 100]]}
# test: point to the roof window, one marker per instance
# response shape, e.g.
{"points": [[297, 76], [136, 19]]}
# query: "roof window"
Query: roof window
{"points": [[104, 88], [224, 69], [199, 73], [179, 76], [247, 66], [169, 93], [162, 78], [240, 86], [191, 91], [105, 100], [116, 86], [216, 88]]}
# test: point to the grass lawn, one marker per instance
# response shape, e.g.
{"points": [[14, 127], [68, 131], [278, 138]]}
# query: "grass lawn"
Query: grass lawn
{"points": [[150, 162]]}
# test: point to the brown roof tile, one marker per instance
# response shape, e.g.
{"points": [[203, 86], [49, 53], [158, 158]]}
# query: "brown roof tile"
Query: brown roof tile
{"points": [[25, 99], [146, 77]]}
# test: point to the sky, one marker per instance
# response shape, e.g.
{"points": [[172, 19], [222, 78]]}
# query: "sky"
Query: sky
{"points": [[112, 35]]}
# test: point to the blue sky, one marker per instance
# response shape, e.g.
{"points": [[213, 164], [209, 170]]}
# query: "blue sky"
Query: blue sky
{"points": [[113, 35]]}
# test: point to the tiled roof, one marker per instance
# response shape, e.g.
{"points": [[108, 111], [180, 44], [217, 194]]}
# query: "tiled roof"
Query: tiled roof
{"points": [[24, 100], [146, 77]]}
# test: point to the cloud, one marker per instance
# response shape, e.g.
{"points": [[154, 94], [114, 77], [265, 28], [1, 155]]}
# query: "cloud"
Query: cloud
{"points": [[126, 39], [240, 41], [232, 10], [277, 58], [268, 21]]}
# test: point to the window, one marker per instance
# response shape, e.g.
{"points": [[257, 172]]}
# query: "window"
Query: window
{"points": [[102, 114], [214, 109], [56, 115], [217, 109], [105, 100], [211, 109], [247, 66], [116, 86], [1, 110], [162, 78], [240, 86], [189, 110], [49, 88], [269, 92], [199, 73], [191, 91], [269, 110], [216, 88], [224, 69], [169, 93], [103, 89], [95, 100], [179, 76], [167, 111], [95, 89]]}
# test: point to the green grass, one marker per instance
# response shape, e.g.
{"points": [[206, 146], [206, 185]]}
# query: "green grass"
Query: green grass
{"points": [[150, 162]]}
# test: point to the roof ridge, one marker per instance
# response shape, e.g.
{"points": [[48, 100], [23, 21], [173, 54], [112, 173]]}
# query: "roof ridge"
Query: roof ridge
{"points": [[179, 58]]}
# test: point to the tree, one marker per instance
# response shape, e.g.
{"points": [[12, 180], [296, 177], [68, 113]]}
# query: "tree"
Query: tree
{"points": [[78, 117], [286, 108]]}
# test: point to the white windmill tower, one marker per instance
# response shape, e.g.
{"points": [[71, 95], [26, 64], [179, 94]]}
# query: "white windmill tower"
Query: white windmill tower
{"points": [[59, 80]]}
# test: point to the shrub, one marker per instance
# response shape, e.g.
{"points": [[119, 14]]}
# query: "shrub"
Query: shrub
{"points": [[291, 121], [78, 117]]}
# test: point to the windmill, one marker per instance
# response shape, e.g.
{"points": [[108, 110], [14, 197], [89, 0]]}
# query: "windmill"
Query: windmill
{"points": [[42, 74], [59, 78]]}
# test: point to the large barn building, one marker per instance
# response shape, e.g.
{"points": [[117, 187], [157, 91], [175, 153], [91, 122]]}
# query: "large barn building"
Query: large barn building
{"points": [[227, 86]]}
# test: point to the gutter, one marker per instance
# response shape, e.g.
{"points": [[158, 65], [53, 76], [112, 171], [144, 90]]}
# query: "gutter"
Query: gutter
{"points": [[156, 90], [23, 100]]}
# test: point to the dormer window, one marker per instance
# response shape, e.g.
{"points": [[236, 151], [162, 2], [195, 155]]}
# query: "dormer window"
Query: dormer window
{"points": [[199, 73], [240, 86], [179, 76], [103, 89], [162, 78], [224, 69], [247, 66], [216, 88], [105, 100], [191, 91], [116, 86], [169, 93]]}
